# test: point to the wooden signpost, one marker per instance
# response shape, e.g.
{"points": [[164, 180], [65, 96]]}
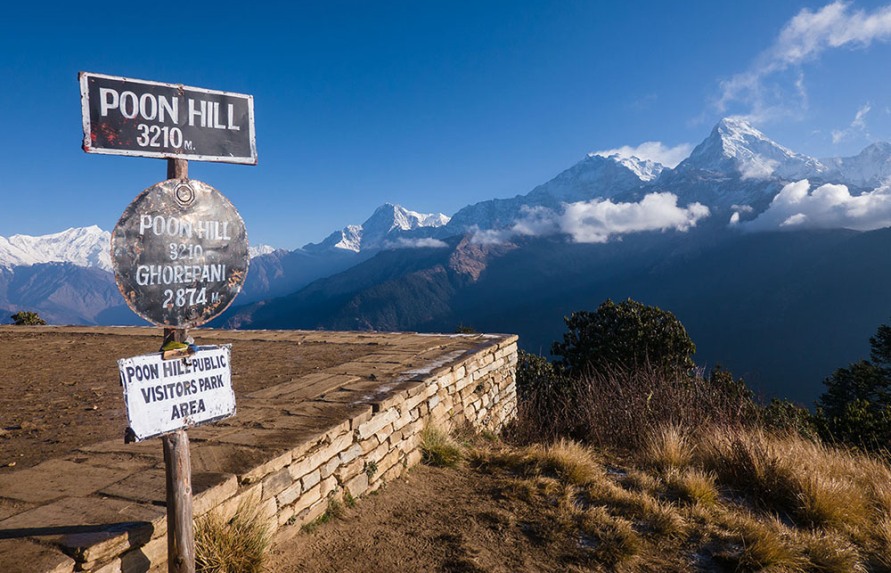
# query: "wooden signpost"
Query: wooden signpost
{"points": [[180, 257]]}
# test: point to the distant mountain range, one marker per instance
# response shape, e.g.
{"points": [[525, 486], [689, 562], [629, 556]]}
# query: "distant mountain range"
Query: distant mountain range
{"points": [[778, 263]]}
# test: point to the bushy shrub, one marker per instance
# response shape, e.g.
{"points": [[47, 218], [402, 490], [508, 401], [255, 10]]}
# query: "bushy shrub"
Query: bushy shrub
{"points": [[27, 318], [856, 407], [786, 417], [625, 336], [625, 368]]}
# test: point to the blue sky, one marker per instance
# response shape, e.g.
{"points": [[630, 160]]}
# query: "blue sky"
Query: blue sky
{"points": [[432, 105]]}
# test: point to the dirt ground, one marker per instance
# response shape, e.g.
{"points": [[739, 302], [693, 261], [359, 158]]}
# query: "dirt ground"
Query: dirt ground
{"points": [[44, 394], [459, 520]]}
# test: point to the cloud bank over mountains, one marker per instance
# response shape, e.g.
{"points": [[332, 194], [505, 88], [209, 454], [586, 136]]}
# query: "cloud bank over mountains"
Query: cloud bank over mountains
{"points": [[652, 151], [736, 172], [601, 219], [829, 206]]}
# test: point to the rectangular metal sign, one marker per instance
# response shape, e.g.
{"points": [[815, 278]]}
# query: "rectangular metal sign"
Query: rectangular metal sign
{"points": [[125, 116], [165, 395]]}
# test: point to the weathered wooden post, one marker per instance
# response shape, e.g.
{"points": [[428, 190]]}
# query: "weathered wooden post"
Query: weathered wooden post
{"points": [[180, 528], [177, 458]]}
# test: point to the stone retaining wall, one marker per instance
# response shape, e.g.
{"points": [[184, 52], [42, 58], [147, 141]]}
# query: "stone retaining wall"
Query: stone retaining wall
{"points": [[358, 434]]}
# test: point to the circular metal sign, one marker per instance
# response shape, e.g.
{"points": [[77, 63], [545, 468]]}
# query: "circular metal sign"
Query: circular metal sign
{"points": [[180, 253]]}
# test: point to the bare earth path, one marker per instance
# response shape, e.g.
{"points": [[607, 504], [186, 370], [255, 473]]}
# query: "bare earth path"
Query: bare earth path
{"points": [[434, 519]]}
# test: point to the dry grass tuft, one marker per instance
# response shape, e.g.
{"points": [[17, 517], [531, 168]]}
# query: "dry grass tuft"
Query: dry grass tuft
{"points": [[640, 481], [438, 449], [828, 501], [237, 545], [761, 545], [615, 537], [569, 460], [832, 553], [692, 485], [667, 448], [734, 499], [815, 485], [882, 553]]}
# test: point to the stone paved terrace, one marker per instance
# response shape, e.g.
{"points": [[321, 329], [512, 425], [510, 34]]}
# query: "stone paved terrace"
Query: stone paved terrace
{"points": [[296, 442]]}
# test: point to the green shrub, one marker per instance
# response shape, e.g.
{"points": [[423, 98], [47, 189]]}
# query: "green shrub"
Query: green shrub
{"points": [[784, 416], [626, 336], [27, 318], [856, 407]]}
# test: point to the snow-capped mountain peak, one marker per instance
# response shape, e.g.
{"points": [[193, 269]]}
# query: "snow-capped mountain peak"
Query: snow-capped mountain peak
{"points": [[257, 250], [82, 246], [645, 169], [387, 219], [869, 168], [735, 147]]}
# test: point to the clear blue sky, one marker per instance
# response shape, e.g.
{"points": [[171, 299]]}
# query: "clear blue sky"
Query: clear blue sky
{"points": [[432, 105]]}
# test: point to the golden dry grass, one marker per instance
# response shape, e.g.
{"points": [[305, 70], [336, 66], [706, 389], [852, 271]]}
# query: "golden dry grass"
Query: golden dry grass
{"points": [[737, 500], [439, 449], [235, 545]]}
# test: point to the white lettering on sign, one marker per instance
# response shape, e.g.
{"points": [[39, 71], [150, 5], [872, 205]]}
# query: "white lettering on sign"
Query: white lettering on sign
{"points": [[165, 395], [162, 109], [162, 226], [207, 114], [148, 275], [147, 106]]}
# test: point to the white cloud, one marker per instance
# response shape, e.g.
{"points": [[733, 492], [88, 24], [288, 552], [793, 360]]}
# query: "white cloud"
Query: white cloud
{"points": [[809, 34], [652, 150], [536, 222], [491, 236], [738, 211], [406, 243], [826, 207], [804, 38], [595, 221], [858, 124], [759, 168], [598, 220]]}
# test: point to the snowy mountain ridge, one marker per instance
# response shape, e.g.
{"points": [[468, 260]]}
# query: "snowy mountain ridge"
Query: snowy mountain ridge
{"points": [[83, 246], [386, 220], [80, 246], [644, 169], [736, 166]]}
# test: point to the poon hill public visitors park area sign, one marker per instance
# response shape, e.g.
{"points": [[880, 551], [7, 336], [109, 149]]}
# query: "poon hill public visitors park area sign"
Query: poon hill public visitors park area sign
{"points": [[180, 257]]}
